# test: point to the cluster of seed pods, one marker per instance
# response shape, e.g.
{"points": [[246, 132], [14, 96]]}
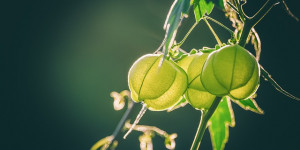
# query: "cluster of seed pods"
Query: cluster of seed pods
{"points": [[160, 84]]}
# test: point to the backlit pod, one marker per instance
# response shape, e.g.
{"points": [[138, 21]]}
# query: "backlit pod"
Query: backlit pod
{"points": [[231, 71], [159, 84], [196, 94]]}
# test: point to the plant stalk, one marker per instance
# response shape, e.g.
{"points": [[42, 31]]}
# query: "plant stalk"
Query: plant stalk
{"points": [[186, 35], [220, 24], [252, 21], [240, 10], [213, 32], [203, 123]]}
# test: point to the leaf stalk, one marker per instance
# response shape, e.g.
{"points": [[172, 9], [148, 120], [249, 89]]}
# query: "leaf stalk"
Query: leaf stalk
{"points": [[220, 24], [186, 35], [213, 32]]}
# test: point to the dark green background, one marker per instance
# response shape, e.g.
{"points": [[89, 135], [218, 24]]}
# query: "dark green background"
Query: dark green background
{"points": [[69, 55]]}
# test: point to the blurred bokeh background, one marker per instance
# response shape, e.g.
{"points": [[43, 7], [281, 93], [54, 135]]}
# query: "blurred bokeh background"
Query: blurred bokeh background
{"points": [[69, 55]]}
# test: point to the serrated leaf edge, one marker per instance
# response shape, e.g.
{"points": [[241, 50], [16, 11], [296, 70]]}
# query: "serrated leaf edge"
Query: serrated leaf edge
{"points": [[258, 111], [227, 124]]}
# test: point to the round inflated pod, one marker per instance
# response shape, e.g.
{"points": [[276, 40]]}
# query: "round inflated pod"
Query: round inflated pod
{"points": [[196, 94], [159, 84], [232, 71]]}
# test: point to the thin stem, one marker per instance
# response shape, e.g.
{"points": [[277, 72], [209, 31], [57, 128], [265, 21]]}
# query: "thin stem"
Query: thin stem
{"points": [[160, 46], [187, 34], [268, 77], [203, 123], [263, 11], [233, 7], [137, 120], [220, 24], [288, 10], [121, 123], [213, 32], [145, 128]]}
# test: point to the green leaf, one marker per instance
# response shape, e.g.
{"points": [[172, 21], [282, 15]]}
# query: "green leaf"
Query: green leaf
{"points": [[268, 78], [249, 104], [219, 122], [201, 7], [219, 3], [178, 10], [180, 104]]}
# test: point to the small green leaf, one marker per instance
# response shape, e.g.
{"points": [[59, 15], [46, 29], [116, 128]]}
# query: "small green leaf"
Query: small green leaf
{"points": [[249, 104], [180, 104], [201, 7], [268, 78], [178, 10], [219, 3], [219, 122], [177, 53]]}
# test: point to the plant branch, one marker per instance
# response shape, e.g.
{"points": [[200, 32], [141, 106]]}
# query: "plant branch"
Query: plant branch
{"points": [[262, 12], [220, 24], [288, 10], [240, 10], [145, 128], [233, 7], [268, 77], [252, 21], [186, 35], [213, 32], [203, 123]]}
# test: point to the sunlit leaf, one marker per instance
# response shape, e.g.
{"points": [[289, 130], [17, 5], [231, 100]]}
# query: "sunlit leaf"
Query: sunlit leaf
{"points": [[249, 104], [219, 122], [180, 104], [202, 7], [219, 3], [177, 53], [178, 10]]}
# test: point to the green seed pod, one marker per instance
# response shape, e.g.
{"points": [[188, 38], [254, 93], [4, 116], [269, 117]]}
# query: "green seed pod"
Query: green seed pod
{"points": [[196, 94], [159, 84], [231, 71]]}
